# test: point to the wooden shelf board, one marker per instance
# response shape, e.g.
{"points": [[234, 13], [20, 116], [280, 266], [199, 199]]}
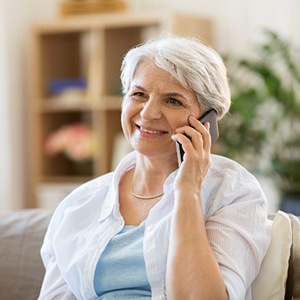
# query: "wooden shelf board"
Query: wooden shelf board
{"points": [[109, 103]]}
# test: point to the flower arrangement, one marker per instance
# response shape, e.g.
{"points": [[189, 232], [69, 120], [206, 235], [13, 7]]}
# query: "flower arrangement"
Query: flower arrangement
{"points": [[75, 141]]}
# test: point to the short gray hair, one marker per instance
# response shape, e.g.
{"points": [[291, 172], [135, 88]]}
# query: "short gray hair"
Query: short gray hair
{"points": [[196, 66]]}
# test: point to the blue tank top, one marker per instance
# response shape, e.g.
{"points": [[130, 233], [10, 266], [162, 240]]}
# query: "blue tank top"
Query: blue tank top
{"points": [[121, 271]]}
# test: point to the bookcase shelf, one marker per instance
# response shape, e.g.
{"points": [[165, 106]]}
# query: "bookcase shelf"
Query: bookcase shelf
{"points": [[108, 103], [89, 50]]}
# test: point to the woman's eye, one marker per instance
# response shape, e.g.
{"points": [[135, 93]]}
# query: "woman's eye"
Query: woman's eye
{"points": [[137, 95], [174, 102]]}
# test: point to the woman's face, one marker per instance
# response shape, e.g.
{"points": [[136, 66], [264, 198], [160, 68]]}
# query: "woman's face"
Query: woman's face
{"points": [[155, 105]]}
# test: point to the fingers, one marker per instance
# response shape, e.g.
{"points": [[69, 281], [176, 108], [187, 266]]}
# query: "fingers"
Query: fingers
{"points": [[196, 143], [196, 135], [201, 133]]}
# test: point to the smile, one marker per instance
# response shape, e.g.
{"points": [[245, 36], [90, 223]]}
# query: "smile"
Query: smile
{"points": [[150, 131]]}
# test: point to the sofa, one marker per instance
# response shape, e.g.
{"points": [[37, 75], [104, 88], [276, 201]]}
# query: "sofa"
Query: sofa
{"points": [[22, 270]]}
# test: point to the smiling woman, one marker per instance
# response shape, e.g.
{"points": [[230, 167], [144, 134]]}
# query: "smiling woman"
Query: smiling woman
{"points": [[172, 231]]}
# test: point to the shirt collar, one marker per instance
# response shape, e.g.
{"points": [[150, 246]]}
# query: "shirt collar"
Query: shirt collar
{"points": [[111, 198]]}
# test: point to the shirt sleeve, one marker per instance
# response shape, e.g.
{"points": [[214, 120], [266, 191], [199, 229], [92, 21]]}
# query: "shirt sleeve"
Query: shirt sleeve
{"points": [[54, 286], [238, 231]]}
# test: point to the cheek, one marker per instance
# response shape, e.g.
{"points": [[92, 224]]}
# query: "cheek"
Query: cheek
{"points": [[124, 112], [181, 118], [126, 118], [178, 120], [124, 123]]}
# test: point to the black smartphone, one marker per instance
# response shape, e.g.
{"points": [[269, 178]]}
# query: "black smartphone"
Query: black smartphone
{"points": [[211, 117]]}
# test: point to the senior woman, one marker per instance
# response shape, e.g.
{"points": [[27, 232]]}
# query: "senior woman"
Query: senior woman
{"points": [[151, 229]]}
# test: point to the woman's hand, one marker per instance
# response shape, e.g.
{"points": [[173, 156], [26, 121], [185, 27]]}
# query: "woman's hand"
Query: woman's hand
{"points": [[196, 157]]}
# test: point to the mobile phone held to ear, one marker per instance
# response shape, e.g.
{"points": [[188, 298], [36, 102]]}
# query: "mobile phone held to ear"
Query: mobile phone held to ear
{"points": [[210, 117]]}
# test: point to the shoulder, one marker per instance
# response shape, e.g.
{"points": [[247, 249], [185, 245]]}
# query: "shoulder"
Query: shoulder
{"points": [[222, 163], [228, 182], [223, 167], [85, 200], [88, 190], [96, 184]]}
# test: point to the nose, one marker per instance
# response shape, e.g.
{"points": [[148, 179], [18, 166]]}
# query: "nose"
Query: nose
{"points": [[151, 110]]}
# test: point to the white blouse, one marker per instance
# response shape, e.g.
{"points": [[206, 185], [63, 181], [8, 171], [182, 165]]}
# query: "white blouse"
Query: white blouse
{"points": [[235, 210]]}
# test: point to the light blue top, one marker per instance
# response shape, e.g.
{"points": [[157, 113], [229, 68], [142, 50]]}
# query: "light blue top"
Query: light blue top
{"points": [[121, 271]]}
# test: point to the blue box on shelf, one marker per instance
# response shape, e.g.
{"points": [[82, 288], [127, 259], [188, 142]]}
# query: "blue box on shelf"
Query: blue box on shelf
{"points": [[58, 86]]}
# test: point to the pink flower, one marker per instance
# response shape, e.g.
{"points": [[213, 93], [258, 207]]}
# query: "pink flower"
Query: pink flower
{"points": [[74, 140]]}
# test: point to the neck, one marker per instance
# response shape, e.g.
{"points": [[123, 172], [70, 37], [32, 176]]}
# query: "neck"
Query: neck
{"points": [[149, 175], [160, 165]]}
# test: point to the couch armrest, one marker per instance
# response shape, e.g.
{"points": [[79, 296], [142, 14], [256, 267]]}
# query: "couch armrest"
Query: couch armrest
{"points": [[21, 268]]}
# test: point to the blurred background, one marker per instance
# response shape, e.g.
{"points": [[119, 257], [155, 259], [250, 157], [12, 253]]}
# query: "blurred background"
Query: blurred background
{"points": [[259, 41]]}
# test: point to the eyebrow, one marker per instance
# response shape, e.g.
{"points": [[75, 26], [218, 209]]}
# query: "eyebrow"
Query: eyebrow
{"points": [[175, 95], [170, 94], [136, 86]]}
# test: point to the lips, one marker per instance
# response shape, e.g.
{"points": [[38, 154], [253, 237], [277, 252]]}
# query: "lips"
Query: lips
{"points": [[148, 130]]}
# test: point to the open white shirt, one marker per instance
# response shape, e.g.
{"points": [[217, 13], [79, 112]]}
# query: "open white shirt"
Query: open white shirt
{"points": [[235, 211]]}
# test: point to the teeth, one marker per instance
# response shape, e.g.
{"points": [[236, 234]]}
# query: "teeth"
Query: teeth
{"points": [[150, 131]]}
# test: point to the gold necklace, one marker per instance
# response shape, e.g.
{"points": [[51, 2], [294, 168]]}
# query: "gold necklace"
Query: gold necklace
{"points": [[146, 197]]}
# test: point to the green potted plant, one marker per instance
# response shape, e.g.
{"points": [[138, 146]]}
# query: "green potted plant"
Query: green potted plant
{"points": [[262, 130]]}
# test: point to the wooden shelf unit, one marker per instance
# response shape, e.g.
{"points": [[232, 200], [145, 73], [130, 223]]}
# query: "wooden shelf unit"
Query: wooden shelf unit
{"points": [[89, 47]]}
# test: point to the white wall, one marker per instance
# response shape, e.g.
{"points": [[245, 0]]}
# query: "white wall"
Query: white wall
{"points": [[15, 20], [5, 157], [238, 24]]}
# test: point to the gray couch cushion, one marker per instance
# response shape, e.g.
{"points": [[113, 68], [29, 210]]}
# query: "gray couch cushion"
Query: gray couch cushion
{"points": [[21, 268]]}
